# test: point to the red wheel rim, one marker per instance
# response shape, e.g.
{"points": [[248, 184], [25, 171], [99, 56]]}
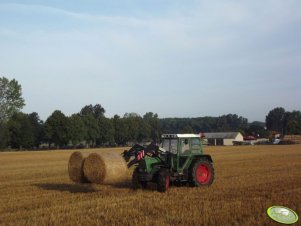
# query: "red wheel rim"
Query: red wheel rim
{"points": [[166, 183], [203, 174]]}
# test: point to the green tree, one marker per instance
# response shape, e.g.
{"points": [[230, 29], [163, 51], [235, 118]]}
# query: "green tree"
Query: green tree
{"points": [[97, 111], [106, 132], [223, 125], [275, 120], [153, 123], [11, 99], [77, 129], [187, 129], [292, 122], [4, 135], [144, 130], [230, 122], [131, 121], [256, 129], [138, 130], [92, 129], [20, 131], [37, 128], [91, 116], [293, 127], [120, 130], [56, 129]]}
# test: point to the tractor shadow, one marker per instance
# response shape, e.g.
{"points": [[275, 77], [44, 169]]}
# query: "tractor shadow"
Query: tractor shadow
{"points": [[125, 184], [72, 188], [128, 185]]}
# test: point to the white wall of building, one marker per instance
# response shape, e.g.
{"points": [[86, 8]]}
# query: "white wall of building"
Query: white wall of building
{"points": [[228, 142]]}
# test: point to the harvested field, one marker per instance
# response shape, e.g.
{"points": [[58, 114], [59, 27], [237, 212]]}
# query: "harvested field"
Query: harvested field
{"points": [[35, 189]]}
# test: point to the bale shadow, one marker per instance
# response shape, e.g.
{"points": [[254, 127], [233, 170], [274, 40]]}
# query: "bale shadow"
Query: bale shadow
{"points": [[125, 184], [72, 188]]}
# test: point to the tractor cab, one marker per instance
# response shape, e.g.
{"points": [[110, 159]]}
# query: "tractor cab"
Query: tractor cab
{"points": [[182, 149], [182, 144]]}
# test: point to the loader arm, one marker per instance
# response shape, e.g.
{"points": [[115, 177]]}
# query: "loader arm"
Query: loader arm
{"points": [[138, 152]]}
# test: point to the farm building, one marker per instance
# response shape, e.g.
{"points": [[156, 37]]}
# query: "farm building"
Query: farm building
{"points": [[223, 138]]}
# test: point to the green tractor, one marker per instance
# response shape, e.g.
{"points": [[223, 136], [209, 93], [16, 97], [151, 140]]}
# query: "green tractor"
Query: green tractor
{"points": [[179, 160]]}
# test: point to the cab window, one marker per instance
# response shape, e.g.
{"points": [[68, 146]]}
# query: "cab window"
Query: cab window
{"points": [[185, 146], [170, 145], [195, 143], [173, 146]]}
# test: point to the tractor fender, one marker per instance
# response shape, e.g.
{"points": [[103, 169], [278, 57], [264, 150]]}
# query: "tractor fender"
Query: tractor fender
{"points": [[206, 157]]}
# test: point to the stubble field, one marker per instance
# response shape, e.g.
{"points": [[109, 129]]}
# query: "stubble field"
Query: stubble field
{"points": [[35, 190]]}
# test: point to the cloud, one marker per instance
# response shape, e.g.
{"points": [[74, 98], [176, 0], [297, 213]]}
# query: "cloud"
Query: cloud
{"points": [[85, 17]]}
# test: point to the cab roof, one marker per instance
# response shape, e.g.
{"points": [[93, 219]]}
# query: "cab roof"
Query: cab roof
{"points": [[186, 135]]}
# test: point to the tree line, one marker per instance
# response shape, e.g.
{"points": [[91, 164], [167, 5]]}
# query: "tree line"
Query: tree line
{"points": [[88, 128], [91, 128]]}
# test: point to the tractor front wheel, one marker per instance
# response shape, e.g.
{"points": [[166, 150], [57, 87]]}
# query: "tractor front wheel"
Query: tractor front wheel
{"points": [[163, 181], [202, 173], [136, 183]]}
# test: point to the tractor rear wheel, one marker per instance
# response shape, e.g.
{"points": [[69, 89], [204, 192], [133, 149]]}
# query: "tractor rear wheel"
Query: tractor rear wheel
{"points": [[136, 183], [143, 184], [202, 173], [163, 181]]}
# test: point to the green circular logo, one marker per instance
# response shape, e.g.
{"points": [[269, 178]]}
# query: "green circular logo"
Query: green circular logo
{"points": [[282, 215]]}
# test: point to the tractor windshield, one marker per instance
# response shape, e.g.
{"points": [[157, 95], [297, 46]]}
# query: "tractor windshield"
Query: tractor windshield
{"points": [[170, 145]]}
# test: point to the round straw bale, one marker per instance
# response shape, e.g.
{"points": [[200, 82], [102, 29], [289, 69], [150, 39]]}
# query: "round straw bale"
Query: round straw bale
{"points": [[105, 168], [75, 167]]}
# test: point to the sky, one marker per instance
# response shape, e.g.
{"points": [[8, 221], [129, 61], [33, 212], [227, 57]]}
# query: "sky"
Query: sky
{"points": [[174, 58]]}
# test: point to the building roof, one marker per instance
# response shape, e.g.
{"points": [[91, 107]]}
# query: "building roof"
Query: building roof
{"points": [[221, 135], [188, 135], [180, 135]]}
